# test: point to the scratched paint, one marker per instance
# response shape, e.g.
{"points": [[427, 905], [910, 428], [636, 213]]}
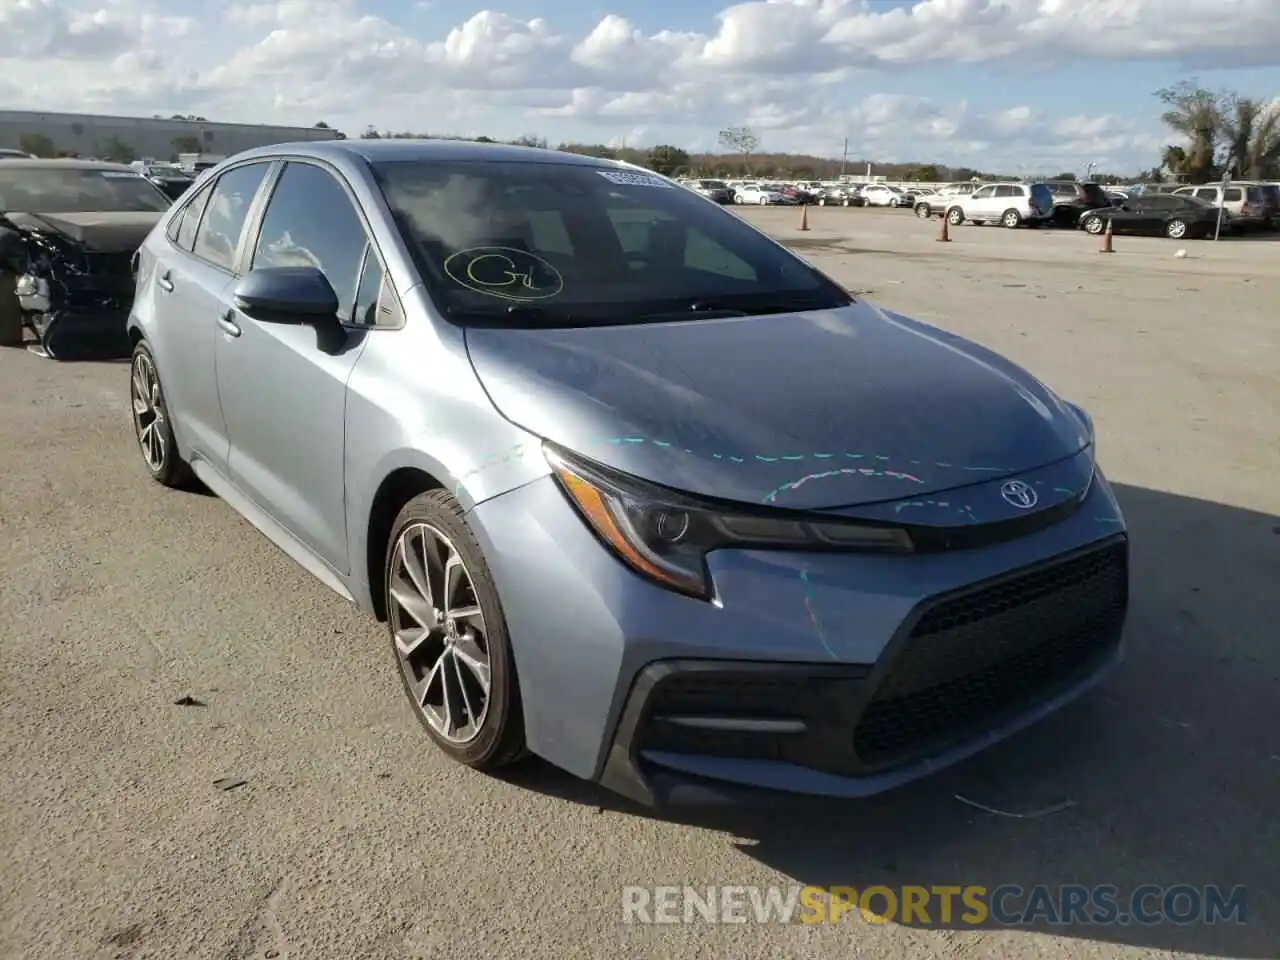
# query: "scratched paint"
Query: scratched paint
{"points": [[813, 615], [743, 458], [844, 471]]}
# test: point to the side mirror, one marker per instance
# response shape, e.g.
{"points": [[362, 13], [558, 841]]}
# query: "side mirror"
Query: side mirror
{"points": [[287, 295]]}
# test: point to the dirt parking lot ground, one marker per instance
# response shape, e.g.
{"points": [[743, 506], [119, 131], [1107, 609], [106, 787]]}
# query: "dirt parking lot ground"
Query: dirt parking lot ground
{"points": [[352, 838]]}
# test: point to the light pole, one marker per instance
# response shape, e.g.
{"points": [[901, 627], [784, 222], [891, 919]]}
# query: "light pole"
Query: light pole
{"points": [[1088, 171]]}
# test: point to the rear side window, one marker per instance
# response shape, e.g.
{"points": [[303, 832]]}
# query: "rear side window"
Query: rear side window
{"points": [[1063, 189], [1208, 193], [311, 222], [218, 236], [1004, 191], [1233, 195], [1253, 194], [182, 231]]}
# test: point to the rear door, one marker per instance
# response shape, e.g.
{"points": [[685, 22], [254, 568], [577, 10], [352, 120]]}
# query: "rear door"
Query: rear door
{"points": [[284, 386], [189, 283]]}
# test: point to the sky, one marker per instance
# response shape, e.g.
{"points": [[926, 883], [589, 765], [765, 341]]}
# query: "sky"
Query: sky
{"points": [[1013, 85]]}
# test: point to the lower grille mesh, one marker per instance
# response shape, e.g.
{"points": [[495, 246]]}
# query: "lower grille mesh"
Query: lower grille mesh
{"points": [[973, 658]]}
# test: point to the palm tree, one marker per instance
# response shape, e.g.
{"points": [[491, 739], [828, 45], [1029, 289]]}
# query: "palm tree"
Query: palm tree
{"points": [[1194, 112], [1174, 159]]}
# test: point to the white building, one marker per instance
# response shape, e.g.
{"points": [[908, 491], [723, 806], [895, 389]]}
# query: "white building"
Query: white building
{"points": [[90, 135]]}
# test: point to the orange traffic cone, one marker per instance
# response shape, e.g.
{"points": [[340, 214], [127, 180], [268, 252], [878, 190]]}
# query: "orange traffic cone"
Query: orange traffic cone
{"points": [[1106, 240], [944, 235], [804, 217]]}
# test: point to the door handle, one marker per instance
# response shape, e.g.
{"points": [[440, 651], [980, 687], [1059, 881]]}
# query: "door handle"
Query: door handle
{"points": [[228, 323], [165, 284]]}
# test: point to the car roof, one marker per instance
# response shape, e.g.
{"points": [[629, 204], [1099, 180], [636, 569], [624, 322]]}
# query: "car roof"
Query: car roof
{"points": [[384, 151], [64, 164]]}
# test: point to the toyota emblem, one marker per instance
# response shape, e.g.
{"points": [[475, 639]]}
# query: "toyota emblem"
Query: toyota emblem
{"points": [[1019, 494]]}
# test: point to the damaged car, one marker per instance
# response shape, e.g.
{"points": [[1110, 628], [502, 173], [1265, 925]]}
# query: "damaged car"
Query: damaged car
{"points": [[69, 230]]}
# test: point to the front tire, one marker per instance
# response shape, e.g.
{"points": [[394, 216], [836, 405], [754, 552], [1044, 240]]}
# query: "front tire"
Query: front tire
{"points": [[922, 211], [449, 635], [1093, 224], [1175, 229], [152, 426], [12, 321]]}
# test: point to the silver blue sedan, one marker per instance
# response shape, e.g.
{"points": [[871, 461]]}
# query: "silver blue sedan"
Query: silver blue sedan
{"points": [[632, 487]]}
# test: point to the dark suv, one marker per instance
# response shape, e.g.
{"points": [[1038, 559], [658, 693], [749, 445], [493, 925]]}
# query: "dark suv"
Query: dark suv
{"points": [[1071, 200]]}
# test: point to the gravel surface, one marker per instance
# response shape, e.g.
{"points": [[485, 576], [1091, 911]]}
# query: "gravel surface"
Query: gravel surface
{"points": [[350, 837]]}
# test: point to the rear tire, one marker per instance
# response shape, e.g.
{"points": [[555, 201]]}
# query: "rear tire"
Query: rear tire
{"points": [[1176, 229], [1093, 224], [1011, 219], [955, 216], [152, 426], [923, 211]]}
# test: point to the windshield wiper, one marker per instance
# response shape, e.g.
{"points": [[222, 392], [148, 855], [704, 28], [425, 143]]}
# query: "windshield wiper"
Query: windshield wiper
{"points": [[511, 313]]}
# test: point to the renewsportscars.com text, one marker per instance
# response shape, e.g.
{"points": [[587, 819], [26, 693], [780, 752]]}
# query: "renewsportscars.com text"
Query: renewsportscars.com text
{"points": [[942, 906]]}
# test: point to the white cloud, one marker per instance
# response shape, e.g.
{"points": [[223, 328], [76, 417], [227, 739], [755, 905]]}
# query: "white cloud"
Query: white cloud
{"points": [[790, 68]]}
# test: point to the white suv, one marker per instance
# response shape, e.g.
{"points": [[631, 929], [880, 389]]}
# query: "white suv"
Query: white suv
{"points": [[1011, 204]]}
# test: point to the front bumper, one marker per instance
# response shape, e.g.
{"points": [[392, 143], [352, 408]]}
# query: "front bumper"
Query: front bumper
{"points": [[840, 675], [962, 672]]}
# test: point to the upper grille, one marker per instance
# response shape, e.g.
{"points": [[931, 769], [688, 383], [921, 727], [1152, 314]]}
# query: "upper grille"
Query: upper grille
{"points": [[976, 657]]}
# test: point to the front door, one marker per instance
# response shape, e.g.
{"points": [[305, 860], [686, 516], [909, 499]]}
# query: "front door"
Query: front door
{"points": [[981, 204], [284, 386]]}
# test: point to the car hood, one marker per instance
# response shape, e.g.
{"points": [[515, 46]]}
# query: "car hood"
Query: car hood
{"points": [[877, 406], [97, 232]]}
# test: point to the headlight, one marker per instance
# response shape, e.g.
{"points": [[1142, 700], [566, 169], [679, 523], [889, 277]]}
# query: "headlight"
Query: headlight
{"points": [[666, 536]]}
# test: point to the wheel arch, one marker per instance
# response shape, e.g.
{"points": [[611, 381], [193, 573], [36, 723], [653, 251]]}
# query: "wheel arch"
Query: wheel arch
{"points": [[396, 489]]}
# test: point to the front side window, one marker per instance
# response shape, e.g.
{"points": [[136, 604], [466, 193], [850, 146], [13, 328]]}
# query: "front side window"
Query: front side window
{"points": [[218, 236], [78, 190], [560, 244], [311, 222], [984, 193], [1233, 195]]}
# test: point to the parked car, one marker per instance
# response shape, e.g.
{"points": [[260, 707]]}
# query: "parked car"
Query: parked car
{"points": [[1158, 214], [758, 193], [1072, 199], [1271, 205], [946, 195], [172, 180], [568, 561], [68, 233], [884, 195], [1010, 204], [1246, 202], [841, 195], [716, 190]]}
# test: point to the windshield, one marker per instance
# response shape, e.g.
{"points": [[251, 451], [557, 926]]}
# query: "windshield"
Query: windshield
{"points": [[78, 190], [553, 244]]}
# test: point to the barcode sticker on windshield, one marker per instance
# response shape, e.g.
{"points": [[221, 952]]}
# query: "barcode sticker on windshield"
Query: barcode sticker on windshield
{"points": [[632, 179]]}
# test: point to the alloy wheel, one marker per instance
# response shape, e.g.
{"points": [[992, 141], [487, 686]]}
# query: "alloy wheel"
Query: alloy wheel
{"points": [[150, 420], [1177, 229], [1093, 225], [440, 635]]}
